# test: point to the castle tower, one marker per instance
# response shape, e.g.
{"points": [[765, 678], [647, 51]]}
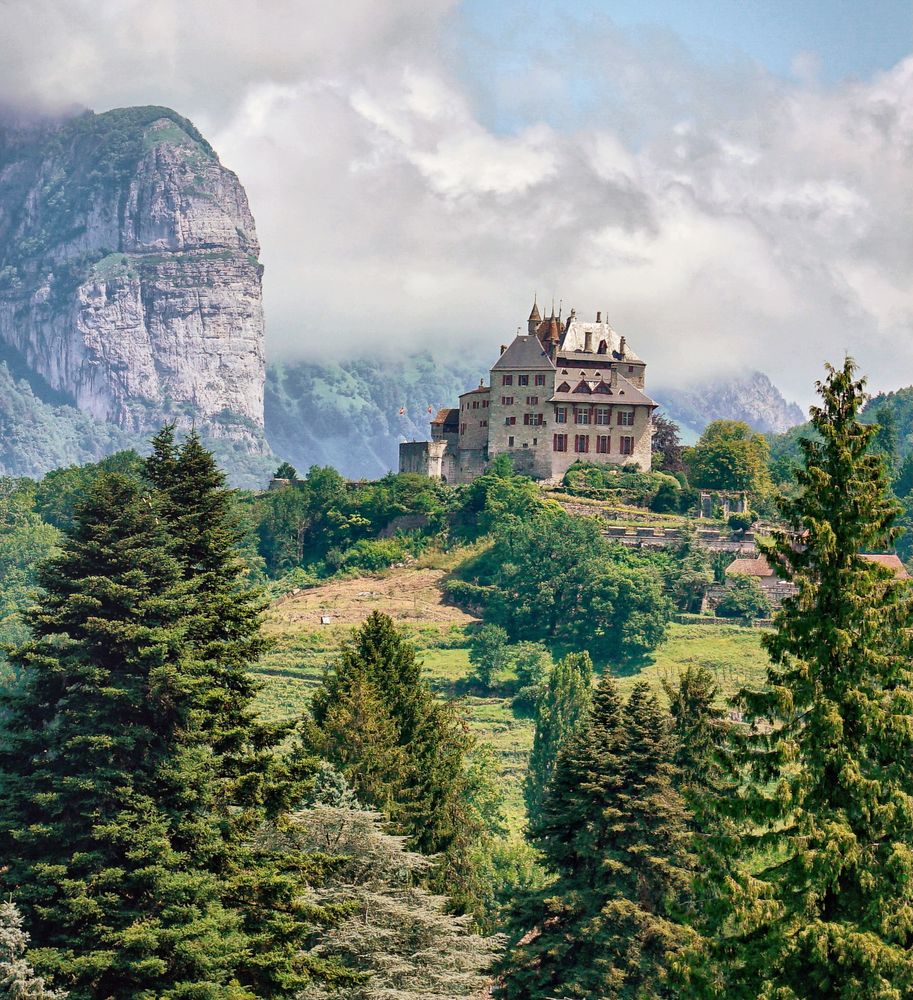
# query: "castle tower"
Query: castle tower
{"points": [[532, 324]]}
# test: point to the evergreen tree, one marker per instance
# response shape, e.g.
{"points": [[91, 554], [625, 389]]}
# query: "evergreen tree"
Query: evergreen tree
{"points": [[398, 938], [614, 831], [412, 764], [561, 709], [107, 786], [17, 978], [255, 779], [809, 888], [697, 727]]}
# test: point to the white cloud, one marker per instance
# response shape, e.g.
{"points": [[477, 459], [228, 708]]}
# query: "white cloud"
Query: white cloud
{"points": [[723, 217]]}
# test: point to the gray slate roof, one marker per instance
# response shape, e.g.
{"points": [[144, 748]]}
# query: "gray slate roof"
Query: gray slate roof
{"points": [[624, 392], [526, 353]]}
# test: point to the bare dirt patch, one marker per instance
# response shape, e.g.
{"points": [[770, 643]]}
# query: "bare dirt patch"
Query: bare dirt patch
{"points": [[408, 596]]}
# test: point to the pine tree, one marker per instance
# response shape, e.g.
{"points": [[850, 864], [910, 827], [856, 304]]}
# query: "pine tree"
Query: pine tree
{"points": [[17, 978], [255, 779], [106, 784], [412, 767], [561, 708], [614, 831], [809, 889]]}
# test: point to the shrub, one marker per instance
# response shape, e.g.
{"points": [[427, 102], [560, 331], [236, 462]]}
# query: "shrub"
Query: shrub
{"points": [[744, 599]]}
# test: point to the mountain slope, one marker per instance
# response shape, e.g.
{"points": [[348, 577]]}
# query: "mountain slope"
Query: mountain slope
{"points": [[751, 397], [129, 278], [347, 414]]}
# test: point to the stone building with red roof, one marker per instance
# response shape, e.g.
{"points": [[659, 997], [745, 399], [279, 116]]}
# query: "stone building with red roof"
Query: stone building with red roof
{"points": [[565, 391]]}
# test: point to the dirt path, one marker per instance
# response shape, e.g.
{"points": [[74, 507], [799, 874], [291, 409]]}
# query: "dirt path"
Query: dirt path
{"points": [[408, 596]]}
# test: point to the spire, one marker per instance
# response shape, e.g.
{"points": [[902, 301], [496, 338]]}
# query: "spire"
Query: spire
{"points": [[532, 324]]}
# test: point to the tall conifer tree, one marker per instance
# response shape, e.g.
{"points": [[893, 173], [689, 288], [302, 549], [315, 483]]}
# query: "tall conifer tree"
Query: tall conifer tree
{"points": [[614, 830], [255, 779], [561, 709], [107, 786], [809, 890]]}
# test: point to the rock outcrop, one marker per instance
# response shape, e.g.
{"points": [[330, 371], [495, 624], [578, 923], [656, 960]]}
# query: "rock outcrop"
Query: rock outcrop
{"points": [[751, 397], [129, 272]]}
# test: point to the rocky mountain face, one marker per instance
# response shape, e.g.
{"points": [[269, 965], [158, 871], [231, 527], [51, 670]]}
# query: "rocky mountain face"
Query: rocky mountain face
{"points": [[129, 274], [751, 397]]}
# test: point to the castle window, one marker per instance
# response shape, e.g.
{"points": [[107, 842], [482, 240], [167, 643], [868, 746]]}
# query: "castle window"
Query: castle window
{"points": [[510, 421], [626, 445], [535, 442], [462, 428], [581, 443], [475, 404], [602, 415], [630, 368], [483, 423], [532, 419], [507, 380], [484, 404], [560, 442], [510, 442], [523, 380], [560, 414], [625, 418], [582, 416], [603, 443], [532, 400], [507, 400], [540, 378]]}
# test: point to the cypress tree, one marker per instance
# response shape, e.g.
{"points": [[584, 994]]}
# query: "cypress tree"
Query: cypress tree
{"points": [[561, 709], [106, 782], [614, 831], [809, 890]]}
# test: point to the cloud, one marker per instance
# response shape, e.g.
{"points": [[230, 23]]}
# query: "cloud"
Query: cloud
{"points": [[413, 188]]}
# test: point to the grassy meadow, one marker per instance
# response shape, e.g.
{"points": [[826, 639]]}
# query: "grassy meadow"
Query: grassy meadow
{"points": [[303, 648]]}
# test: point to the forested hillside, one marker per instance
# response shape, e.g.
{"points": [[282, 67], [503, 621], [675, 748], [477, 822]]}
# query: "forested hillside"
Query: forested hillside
{"points": [[400, 738]]}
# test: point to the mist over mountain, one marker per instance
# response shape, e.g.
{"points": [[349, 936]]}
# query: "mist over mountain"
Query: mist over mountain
{"points": [[750, 396]]}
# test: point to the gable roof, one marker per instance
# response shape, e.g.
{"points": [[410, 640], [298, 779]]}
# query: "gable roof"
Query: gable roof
{"points": [[889, 561], [526, 352], [759, 566]]}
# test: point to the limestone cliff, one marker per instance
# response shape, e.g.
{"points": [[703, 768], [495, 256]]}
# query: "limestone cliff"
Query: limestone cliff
{"points": [[129, 278]]}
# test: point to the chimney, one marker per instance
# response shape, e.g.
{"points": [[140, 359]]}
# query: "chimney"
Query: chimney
{"points": [[503, 348], [598, 316], [614, 379], [553, 350], [621, 347], [588, 341]]}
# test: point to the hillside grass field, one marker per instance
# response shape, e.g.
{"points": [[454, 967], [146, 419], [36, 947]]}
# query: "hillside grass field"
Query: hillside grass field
{"points": [[303, 648]]}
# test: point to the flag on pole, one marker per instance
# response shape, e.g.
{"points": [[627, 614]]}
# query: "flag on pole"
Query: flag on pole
{"points": [[402, 411], [431, 409]]}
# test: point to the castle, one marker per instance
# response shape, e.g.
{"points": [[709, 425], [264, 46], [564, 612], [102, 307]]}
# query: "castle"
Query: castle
{"points": [[560, 393]]}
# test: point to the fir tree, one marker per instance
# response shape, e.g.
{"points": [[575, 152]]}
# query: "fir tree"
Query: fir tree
{"points": [[809, 890], [560, 709], [697, 727], [413, 766], [17, 978], [106, 785], [255, 779], [614, 831]]}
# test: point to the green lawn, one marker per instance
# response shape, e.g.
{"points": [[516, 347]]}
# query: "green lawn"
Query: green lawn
{"points": [[292, 669]]}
